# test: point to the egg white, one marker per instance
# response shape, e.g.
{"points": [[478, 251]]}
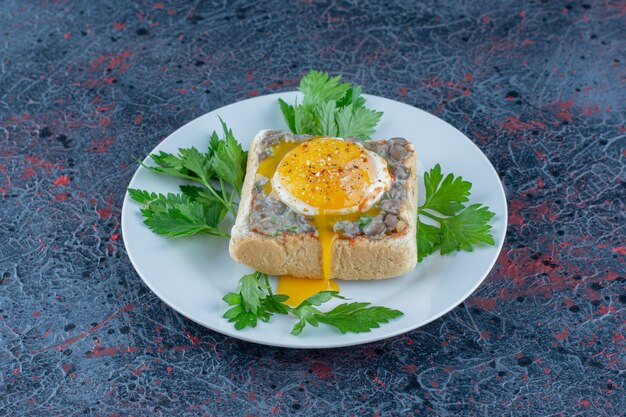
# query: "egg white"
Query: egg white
{"points": [[381, 182]]}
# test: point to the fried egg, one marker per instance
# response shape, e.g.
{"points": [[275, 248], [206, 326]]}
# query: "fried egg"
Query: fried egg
{"points": [[330, 176]]}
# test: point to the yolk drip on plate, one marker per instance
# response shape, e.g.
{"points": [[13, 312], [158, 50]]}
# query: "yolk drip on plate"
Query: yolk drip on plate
{"points": [[329, 180], [299, 289]]}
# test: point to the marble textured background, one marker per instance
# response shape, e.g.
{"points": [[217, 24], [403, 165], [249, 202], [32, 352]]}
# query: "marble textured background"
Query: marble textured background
{"points": [[85, 86]]}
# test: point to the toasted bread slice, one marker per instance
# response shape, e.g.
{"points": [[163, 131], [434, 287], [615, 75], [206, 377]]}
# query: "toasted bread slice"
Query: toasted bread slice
{"points": [[300, 254]]}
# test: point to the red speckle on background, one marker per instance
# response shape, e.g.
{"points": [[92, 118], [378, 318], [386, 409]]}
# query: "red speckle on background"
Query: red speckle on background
{"points": [[378, 381], [194, 339], [100, 145], [106, 212], [589, 111], [115, 236], [540, 155], [169, 369], [403, 91], [137, 371], [620, 249], [249, 75], [66, 36], [563, 110], [540, 182], [105, 107], [16, 371], [28, 173], [513, 124], [4, 190], [563, 334], [593, 295], [47, 166], [118, 61], [584, 403], [138, 119], [253, 93], [119, 25], [322, 370], [486, 19], [483, 303], [61, 180], [409, 368], [36, 314], [158, 5], [524, 377], [100, 352], [61, 197], [67, 367], [606, 310], [515, 218]]}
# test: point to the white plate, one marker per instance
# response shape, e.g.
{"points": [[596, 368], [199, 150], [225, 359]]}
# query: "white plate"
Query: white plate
{"points": [[192, 274]]}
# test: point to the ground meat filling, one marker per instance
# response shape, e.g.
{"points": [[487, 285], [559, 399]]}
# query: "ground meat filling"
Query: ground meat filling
{"points": [[272, 217]]}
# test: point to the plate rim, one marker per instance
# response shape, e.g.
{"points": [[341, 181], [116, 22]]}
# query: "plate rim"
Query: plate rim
{"points": [[232, 332]]}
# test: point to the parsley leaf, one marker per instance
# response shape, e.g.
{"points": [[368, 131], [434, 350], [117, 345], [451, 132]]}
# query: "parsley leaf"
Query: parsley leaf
{"points": [[358, 317], [358, 122], [288, 112], [189, 164], [445, 197], [459, 227], [177, 215], [346, 317], [221, 171], [229, 160], [318, 87], [237, 314], [254, 300], [201, 194], [329, 108], [428, 238], [466, 229], [197, 163], [325, 119], [352, 96], [252, 292]]}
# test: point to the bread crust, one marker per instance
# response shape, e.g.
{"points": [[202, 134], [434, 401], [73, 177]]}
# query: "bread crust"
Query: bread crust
{"points": [[358, 258]]}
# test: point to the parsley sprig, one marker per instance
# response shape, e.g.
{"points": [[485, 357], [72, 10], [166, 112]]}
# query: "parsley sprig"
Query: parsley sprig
{"points": [[220, 170], [179, 215], [254, 301], [461, 227], [330, 108]]}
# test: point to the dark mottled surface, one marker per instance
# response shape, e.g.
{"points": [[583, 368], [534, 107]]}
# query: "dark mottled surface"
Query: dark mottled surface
{"points": [[85, 86]]}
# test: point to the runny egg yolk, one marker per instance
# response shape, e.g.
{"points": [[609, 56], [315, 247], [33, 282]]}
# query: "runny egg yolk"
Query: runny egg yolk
{"points": [[329, 180], [330, 176]]}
